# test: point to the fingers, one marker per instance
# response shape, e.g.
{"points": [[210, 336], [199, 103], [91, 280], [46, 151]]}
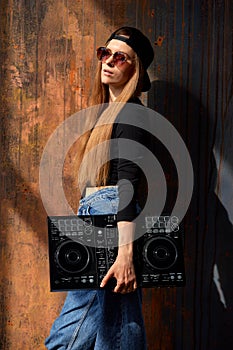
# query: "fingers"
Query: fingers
{"points": [[106, 278], [124, 291], [125, 288], [120, 278], [121, 286]]}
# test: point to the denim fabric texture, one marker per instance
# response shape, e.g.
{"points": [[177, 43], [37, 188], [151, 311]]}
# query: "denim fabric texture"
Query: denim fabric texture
{"points": [[104, 201], [99, 319]]}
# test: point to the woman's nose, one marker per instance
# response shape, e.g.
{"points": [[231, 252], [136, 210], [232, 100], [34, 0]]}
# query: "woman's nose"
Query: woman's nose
{"points": [[110, 61]]}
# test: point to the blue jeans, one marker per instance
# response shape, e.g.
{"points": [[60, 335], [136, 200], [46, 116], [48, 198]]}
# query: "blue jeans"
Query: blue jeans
{"points": [[99, 319]]}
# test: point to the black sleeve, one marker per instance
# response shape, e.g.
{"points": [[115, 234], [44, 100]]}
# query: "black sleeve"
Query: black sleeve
{"points": [[128, 152]]}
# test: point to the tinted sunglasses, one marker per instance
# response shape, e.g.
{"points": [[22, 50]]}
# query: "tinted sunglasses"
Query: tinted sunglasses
{"points": [[119, 58]]}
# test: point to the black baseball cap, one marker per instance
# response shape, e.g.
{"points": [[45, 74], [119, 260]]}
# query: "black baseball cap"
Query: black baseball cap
{"points": [[141, 45]]}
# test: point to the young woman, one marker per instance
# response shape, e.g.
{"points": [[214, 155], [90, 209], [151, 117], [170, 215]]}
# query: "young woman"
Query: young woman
{"points": [[111, 319]]}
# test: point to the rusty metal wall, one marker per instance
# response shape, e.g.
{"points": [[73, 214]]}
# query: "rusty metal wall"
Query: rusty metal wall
{"points": [[46, 67]]}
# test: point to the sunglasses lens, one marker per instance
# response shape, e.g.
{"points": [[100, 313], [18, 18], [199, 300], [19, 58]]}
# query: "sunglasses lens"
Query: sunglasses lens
{"points": [[103, 53], [119, 58]]}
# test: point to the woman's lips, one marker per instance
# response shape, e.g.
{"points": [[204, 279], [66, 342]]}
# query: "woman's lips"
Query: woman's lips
{"points": [[107, 72]]}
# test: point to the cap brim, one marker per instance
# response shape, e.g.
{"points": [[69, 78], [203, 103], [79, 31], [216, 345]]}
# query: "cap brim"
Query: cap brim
{"points": [[146, 83]]}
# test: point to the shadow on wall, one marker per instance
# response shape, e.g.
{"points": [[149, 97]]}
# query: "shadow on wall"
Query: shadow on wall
{"points": [[209, 232]]}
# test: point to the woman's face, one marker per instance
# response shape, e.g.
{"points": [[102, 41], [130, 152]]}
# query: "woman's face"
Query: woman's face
{"points": [[113, 75]]}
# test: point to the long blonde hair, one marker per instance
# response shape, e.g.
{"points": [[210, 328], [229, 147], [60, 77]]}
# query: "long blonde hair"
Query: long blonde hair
{"points": [[94, 171]]}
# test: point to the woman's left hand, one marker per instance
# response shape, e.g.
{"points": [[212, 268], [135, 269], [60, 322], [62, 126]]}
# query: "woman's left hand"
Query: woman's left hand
{"points": [[123, 271], [123, 268]]}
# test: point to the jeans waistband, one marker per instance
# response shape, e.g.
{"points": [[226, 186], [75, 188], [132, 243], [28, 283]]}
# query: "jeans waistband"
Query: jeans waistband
{"points": [[91, 190]]}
